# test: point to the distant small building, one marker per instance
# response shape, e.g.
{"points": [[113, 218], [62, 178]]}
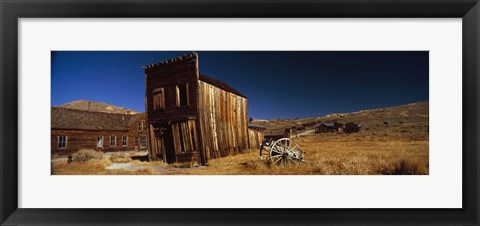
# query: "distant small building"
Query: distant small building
{"points": [[293, 130], [256, 127], [351, 127], [276, 134], [308, 125], [327, 127]]}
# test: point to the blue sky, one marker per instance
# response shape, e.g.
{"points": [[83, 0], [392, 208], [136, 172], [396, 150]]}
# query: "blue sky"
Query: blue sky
{"points": [[278, 84]]}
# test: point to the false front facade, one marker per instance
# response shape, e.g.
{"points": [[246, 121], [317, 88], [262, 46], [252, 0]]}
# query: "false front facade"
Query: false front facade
{"points": [[192, 117]]}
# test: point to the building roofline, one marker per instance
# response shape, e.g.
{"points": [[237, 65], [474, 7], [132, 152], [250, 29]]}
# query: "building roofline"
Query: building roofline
{"points": [[220, 85], [99, 112], [74, 119], [171, 60]]}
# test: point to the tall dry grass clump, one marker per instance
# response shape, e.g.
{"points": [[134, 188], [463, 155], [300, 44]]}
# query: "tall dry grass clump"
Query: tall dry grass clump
{"points": [[120, 157], [406, 167], [86, 155]]}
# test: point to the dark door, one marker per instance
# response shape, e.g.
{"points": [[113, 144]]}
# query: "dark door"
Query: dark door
{"points": [[159, 142], [169, 146]]}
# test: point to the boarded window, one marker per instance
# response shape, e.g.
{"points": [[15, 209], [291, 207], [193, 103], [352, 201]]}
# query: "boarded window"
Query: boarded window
{"points": [[143, 142], [124, 141], [62, 142], [158, 99], [113, 141], [184, 136], [99, 141], [160, 146], [140, 126], [182, 95]]}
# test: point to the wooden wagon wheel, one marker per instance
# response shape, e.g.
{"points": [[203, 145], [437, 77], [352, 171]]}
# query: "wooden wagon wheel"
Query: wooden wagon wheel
{"points": [[264, 152], [285, 151]]}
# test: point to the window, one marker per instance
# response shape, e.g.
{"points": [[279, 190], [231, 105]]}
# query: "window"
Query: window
{"points": [[99, 141], [124, 141], [136, 140], [158, 99], [182, 95], [140, 126], [62, 142], [143, 142], [113, 141]]}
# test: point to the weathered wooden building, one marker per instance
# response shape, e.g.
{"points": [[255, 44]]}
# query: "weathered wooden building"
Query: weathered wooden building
{"points": [[192, 117], [327, 127], [276, 134], [72, 130], [255, 135], [351, 127]]}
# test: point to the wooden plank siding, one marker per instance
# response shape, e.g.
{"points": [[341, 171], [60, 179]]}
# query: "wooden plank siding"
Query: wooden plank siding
{"points": [[255, 138], [213, 124], [135, 135], [87, 139], [79, 137], [223, 121], [168, 77], [186, 148], [172, 130]]}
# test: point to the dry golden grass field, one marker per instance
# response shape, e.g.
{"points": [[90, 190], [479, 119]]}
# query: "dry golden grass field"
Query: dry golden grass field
{"points": [[392, 141], [335, 154]]}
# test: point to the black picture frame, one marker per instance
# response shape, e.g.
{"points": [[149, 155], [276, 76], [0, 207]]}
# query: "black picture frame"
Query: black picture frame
{"points": [[11, 11]]}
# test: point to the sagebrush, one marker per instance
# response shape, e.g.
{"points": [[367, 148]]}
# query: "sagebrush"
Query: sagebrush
{"points": [[86, 155]]}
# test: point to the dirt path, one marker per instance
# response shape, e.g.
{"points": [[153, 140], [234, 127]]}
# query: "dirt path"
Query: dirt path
{"points": [[132, 167], [59, 160]]}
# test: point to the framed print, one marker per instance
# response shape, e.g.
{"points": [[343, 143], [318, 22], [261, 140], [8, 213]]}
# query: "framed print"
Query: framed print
{"points": [[224, 112]]}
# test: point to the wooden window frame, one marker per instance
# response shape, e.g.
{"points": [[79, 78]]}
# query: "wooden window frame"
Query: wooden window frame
{"points": [[114, 141], [155, 92], [64, 142], [140, 126], [103, 142], [140, 142], [124, 140], [177, 96]]}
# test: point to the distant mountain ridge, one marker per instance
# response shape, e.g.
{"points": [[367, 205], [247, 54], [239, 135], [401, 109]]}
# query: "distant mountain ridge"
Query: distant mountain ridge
{"points": [[412, 117], [87, 105]]}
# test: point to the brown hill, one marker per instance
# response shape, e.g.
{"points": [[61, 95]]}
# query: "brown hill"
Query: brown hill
{"points": [[87, 105], [409, 119]]}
